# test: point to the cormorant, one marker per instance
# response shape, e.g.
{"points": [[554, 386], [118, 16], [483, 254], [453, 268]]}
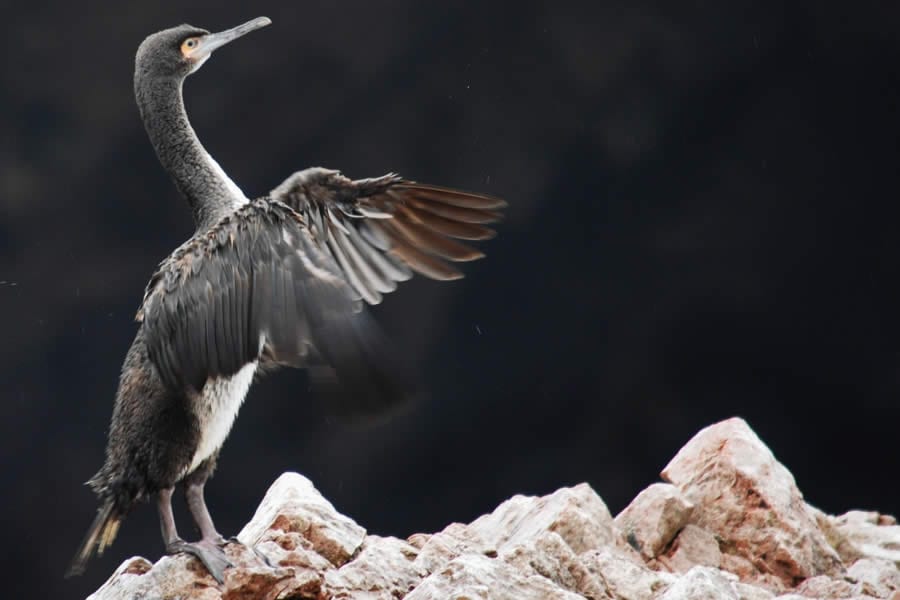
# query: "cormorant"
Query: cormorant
{"points": [[275, 281]]}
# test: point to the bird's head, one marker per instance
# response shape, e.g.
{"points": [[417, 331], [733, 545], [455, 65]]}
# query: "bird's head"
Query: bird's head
{"points": [[179, 51]]}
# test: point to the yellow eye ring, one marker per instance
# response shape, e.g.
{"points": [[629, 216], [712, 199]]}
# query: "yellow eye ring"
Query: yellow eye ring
{"points": [[189, 45]]}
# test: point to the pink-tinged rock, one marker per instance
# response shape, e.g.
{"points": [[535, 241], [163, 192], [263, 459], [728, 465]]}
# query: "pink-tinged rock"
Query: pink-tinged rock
{"points": [[549, 556], [477, 577], [259, 581], [823, 586], [384, 569], [693, 547], [870, 534], [654, 518], [707, 583], [751, 592], [131, 580], [623, 577], [746, 570], [293, 513], [751, 503], [845, 549], [881, 576], [701, 583], [183, 576], [577, 514], [455, 540], [537, 535]]}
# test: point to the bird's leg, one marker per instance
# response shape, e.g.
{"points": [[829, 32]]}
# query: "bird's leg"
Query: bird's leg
{"points": [[193, 492], [196, 501], [209, 553], [166, 518]]}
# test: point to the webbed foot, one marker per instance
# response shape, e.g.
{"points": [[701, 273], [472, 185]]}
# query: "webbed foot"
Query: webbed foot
{"points": [[208, 551]]}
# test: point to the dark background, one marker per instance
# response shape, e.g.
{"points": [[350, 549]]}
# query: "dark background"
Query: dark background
{"points": [[702, 223]]}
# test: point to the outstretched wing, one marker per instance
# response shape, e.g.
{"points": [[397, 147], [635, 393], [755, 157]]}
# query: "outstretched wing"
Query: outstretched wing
{"points": [[380, 230], [257, 285]]}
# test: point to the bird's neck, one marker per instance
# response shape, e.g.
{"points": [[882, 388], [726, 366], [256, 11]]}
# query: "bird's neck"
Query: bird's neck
{"points": [[209, 191]]}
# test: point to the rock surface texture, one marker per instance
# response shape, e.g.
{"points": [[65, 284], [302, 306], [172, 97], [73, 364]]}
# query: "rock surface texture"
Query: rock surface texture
{"points": [[728, 523]]}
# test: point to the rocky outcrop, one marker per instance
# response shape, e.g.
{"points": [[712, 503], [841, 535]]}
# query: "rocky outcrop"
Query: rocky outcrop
{"points": [[729, 523]]}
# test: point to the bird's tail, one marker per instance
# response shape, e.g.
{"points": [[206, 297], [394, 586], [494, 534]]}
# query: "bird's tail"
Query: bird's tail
{"points": [[98, 538]]}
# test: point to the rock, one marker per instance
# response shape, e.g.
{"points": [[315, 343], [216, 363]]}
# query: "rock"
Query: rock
{"points": [[836, 538], [701, 583], [870, 534], [477, 577], [294, 514], [183, 576], [623, 577], [879, 577], [751, 592], [541, 535], [385, 568], [731, 525], [577, 514], [546, 535], [549, 556], [455, 540], [823, 586], [654, 518], [693, 547], [751, 503]]}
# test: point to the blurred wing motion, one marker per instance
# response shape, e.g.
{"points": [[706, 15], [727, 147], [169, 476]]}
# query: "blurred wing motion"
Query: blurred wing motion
{"points": [[380, 230], [257, 286]]}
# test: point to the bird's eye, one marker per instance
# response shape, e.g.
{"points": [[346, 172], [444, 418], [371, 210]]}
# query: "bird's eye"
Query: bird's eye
{"points": [[188, 45]]}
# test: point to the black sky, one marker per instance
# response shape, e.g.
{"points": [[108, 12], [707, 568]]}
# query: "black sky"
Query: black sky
{"points": [[702, 223]]}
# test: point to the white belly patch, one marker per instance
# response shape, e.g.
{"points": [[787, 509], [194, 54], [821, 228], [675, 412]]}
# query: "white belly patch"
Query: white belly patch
{"points": [[217, 408]]}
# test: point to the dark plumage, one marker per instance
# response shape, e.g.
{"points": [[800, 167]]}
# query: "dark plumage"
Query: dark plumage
{"points": [[279, 280]]}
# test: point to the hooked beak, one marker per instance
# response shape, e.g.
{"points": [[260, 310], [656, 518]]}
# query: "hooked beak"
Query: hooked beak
{"points": [[214, 41]]}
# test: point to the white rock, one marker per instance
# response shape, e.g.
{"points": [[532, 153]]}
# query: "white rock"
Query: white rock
{"points": [[654, 518], [751, 592], [130, 579], [701, 583], [294, 505], [549, 556], [871, 534], [477, 577], [455, 540], [751, 503], [880, 577], [623, 578], [694, 546], [577, 514], [384, 569], [538, 535], [183, 576]]}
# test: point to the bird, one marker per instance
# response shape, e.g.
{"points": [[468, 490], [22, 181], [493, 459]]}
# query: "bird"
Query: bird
{"points": [[283, 280]]}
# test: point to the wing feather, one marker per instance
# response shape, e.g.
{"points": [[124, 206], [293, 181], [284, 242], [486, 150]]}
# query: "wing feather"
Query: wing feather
{"points": [[424, 264], [379, 230], [257, 281], [402, 228], [365, 270], [449, 227]]}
